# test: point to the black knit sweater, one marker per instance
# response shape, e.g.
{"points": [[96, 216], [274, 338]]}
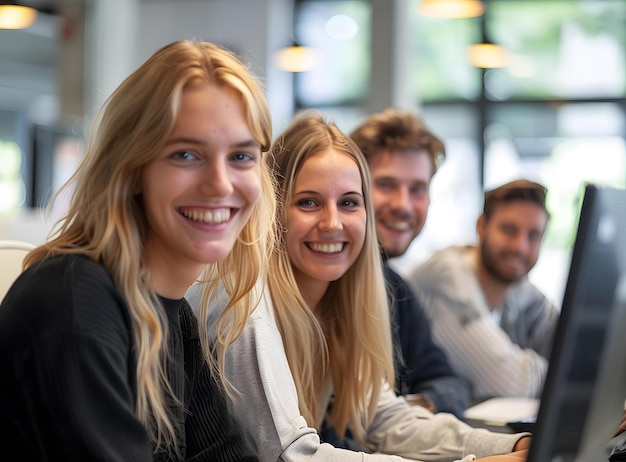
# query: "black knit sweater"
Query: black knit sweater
{"points": [[69, 387]]}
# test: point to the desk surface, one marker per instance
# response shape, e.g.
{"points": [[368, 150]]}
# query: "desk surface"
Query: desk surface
{"points": [[497, 413]]}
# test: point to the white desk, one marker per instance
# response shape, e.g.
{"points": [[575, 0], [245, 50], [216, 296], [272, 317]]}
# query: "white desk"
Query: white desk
{"points": [[496, 413]]}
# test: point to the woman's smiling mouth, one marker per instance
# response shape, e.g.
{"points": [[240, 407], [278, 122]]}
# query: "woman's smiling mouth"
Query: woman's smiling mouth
{"points": [[326, 248], [215, 216]]}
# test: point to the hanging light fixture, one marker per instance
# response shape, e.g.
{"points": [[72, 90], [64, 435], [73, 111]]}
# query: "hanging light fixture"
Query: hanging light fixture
{"points": [[452, 9], [487, 55], [296, 58], [14, 16]]}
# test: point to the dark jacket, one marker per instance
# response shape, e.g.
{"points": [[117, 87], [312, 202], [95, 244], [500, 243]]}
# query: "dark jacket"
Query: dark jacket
{"points": [[420, 365]]}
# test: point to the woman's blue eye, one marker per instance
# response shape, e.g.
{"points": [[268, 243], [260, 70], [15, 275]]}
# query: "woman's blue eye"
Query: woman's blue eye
{"points": [[306, 203], [184, 155], [242, 156], [349, 203]]}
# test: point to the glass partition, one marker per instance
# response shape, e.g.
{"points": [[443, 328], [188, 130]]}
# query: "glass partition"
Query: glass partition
{"points": [[556, 48], [340, 32]]}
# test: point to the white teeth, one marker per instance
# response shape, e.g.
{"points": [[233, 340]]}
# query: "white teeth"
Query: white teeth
{"points": [[327, 248], [208, 216], [401, 226]]}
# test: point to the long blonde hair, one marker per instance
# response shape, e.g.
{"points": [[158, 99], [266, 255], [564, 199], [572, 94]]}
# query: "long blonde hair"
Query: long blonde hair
{"points": [[347, 337], [105, 221]]}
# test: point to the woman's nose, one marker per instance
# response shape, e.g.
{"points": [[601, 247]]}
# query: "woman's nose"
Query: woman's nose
{"points": [[216, 179], [330, 220]]}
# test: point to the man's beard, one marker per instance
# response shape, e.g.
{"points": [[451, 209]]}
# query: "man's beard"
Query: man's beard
{"points": [[489, 262]]}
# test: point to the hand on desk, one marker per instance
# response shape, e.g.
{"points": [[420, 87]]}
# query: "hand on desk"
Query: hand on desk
{"points": [[517, 456], [522, 444]]}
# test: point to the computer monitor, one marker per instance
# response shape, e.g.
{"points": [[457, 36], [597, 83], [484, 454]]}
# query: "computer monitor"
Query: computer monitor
{"points": [[583, 397]]}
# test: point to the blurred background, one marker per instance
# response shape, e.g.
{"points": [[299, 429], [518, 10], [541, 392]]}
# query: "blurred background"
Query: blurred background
{"points": [[551, 107]]}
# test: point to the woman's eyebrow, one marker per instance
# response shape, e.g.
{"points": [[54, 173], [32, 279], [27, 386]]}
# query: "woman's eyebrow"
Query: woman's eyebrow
{"points": [[188, 140], [184, 140], [251, 143]]}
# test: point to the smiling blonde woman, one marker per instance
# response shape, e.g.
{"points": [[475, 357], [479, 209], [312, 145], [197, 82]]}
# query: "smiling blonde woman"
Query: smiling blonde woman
{"points": [[102, 357], [319, 343]]}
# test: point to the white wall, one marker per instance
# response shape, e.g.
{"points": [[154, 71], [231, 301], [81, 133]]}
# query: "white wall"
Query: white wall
{"points": [[124, 33]]}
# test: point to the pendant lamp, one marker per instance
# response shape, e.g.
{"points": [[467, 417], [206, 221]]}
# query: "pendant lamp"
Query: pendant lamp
{"points": [[14, 16], [452, 9], [296, 58], [487, 55]]}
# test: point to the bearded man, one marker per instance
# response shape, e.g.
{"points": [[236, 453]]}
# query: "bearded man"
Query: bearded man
{"points": [[494, 325]]}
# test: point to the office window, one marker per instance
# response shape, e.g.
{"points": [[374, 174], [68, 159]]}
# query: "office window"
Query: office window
{"points": [[437, 58], [340, 32], [557, 49], [57, 154], [12, 188], [564, 146]]}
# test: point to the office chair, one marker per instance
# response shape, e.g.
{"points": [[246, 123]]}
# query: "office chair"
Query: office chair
{"points": [[12, 254]]}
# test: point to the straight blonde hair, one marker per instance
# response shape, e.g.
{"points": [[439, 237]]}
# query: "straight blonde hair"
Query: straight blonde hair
{"points": [[347, 337], [106, 223]]}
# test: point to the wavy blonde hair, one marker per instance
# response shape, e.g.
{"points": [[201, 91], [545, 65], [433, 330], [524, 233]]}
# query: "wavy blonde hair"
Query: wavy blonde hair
{"points": [[105, 221], [347, 336]]}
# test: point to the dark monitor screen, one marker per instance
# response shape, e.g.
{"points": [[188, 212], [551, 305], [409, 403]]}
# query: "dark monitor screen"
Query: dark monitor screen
{"points": [[583, 397]]}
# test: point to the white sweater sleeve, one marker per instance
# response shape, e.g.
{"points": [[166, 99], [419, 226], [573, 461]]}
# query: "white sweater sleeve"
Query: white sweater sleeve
{"points": [[415, 433]]}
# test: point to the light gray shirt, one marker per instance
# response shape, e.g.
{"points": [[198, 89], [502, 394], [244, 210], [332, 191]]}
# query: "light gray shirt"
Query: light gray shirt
{"points": [[497, 357]]}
